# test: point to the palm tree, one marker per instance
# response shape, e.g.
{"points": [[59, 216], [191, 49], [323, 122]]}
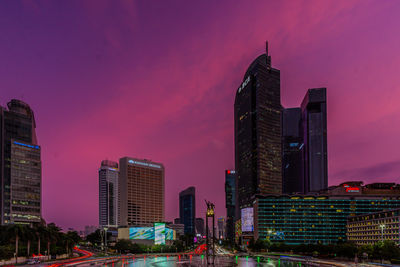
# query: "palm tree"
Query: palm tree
{"points": [[40, 233], [18, 231], [29, 235], [52, 232]]}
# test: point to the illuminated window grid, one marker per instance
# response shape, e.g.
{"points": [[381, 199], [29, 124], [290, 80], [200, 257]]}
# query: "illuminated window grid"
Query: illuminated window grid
{"points": [[366, 229], [309, 219], [145, 195]]}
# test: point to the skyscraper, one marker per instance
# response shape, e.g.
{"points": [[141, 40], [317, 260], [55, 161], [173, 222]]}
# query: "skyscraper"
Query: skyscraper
{"points": [[141, 186], [292, 151], [20, 165], [187, 209], [258, 132], [314, 127], [230, 203], [108, 193]]}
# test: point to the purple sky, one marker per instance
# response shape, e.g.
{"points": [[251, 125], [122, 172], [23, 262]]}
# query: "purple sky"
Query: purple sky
{"points": [[157, 80]]}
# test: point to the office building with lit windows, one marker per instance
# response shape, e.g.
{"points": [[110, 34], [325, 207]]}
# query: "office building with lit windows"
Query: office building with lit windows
{"points": [[257, 119], [367, 229], [108, 193], [320, 218], [141, 187], [20, 165]]}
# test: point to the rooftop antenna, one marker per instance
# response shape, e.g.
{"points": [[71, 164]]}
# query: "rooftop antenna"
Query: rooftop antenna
{"points": [[268, 56]]}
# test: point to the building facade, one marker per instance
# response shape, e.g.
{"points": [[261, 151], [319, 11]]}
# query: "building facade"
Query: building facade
{"points": [[141, 187], [108, 193], [187, 209], [200, 229], [20, 165], [292, 151], [230, 203], [314, 126], [368, 229], [319, 218], [257, 119]]}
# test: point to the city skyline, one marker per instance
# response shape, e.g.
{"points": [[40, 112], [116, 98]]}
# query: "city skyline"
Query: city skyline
{"points": [[91, 86]]}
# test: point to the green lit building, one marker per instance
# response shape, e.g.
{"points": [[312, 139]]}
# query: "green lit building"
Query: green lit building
{"points": [[322, 218]]}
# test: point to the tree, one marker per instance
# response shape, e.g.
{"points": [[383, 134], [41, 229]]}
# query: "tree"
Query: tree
{"points": [[390, 250], [29, 236], [40, 231], [16, 230]]}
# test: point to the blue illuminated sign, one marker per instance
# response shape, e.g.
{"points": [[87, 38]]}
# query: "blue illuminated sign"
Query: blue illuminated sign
{"points": [[26, 145]]}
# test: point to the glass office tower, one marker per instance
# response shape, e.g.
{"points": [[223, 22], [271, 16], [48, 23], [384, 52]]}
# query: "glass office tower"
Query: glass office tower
{"points": [[187, 209], [20, 165], [314, 127], [257, 118], [230, 203], [292, 151], [108, 193]]}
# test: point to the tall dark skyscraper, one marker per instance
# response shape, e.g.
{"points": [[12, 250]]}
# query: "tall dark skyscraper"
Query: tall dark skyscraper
{"points": [[187, 209], [108, 193], [230, 203], [304, 143], [314, 126], [292, 151], [258, 132], [20, 165]]}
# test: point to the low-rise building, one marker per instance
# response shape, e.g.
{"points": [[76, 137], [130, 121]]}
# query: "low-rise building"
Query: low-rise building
{"points": [[320, 218], [367, 229]]}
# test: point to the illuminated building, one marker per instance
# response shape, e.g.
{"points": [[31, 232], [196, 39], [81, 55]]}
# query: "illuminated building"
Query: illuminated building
{"points": [[230, 203], [141, 187], [108, 193], [20, 165], [367, 229], [157, 234], [257, 119], [187, 209], [319, 218]]}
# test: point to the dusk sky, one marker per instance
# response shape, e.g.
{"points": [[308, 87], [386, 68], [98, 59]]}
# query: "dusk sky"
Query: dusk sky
{"points": [[157, 80]]}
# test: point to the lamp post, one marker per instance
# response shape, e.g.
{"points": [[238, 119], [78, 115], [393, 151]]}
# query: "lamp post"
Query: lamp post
{"points": [[382, 226]]}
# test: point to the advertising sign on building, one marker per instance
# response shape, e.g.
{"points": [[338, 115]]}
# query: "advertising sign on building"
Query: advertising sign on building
{"points": [[247, 220], [159, 233]]}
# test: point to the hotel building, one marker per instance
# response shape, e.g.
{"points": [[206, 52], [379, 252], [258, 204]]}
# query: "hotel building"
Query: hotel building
{"points": [[321, 218], [367, 229], [141, 186]]}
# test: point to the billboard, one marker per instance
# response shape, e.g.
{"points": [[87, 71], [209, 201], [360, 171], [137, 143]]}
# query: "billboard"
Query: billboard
{"points": [[169, 234], [159, 233], [247, 220], [141, 233]]}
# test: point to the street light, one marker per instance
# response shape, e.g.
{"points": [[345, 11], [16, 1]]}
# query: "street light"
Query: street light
{"points": [[382, 226]]}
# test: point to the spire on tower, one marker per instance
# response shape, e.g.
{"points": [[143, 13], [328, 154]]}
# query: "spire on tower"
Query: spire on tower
{"points": [[268, 56]]}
